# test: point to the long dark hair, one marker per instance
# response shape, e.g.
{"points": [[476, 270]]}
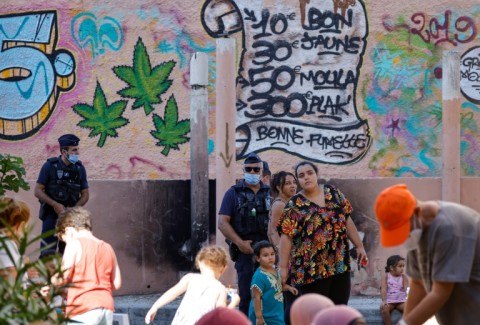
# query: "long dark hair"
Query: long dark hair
{"points": [[303, 163], [392, 261], [278, 180]]}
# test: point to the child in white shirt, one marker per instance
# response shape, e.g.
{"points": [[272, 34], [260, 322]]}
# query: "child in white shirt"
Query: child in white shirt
{"points": [[203, 292]]}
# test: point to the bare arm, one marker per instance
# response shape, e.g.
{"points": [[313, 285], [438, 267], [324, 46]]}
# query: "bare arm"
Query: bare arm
{"points": [[292, 290], [40, 194], [277, 209], [415, 295], [430, 304], [284, 256], [84, 196], [257, 305], [116, 276], [222, 298], [405, 282], [383, 289], [227, 230], [352, 234], [168, 297]]}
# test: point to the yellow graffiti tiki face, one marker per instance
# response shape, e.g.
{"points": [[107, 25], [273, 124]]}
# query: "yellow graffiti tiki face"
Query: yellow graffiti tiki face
{"points": [[32, 72]]}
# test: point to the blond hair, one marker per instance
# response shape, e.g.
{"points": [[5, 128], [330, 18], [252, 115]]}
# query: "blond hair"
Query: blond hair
{"points": [[13, 212], [76, 217], [213, 256]]}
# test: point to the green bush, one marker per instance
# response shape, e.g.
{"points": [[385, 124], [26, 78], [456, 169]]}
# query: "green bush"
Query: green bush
{"points": [[11, 174], [20, 298]]}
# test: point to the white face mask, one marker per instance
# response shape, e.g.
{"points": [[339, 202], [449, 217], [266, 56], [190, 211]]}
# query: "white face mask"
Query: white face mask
{"points": [[413, 241]]}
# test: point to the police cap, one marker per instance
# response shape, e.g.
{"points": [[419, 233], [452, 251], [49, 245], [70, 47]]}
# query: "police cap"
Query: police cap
{"points": [[68, 140], [252, 158]]}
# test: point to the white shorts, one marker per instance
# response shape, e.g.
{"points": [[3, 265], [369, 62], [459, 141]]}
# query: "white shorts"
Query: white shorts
{"points": [[99, 316]]}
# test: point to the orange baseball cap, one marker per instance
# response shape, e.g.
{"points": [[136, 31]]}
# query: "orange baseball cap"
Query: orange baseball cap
{"points": [[394, 208]]}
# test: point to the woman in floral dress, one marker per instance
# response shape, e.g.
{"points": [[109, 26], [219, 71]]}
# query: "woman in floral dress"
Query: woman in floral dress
{"points": [[314, 249]]}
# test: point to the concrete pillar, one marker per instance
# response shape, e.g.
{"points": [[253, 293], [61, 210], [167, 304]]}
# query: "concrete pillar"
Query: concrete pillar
{"points": [[451, 104], [199, 151], [225, 130]]}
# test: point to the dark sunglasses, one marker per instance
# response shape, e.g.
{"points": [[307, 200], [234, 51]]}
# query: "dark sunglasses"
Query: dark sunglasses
{"points": [[254, 169]]}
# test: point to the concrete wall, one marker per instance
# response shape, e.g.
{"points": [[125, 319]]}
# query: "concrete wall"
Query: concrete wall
{"points": [[352, 85], [143, 221]]}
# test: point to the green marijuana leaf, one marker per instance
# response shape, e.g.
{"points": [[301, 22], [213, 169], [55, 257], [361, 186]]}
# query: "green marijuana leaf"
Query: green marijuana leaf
{"points": [[145, 84], [170, 131], [102, 118]]}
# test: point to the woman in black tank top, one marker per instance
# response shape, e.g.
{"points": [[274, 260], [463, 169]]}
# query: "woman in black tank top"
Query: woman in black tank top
{"points": [[283, 185]]}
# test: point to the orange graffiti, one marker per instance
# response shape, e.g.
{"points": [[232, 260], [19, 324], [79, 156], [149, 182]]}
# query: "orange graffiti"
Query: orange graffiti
{"points": [[343, 5], [303, 5]]}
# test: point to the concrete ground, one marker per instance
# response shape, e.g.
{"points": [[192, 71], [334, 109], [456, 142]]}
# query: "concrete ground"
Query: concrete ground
{"points": [[136, 306]]}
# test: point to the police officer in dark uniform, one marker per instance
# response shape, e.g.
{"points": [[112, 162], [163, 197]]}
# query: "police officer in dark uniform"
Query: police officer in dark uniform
{"points": [[62, 183], [243, 220]]}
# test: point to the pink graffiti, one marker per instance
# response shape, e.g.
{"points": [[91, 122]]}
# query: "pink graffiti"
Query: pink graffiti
{"points": [[115, 169], [185, 79], [52, 150], [437, 30], [136, 162]]}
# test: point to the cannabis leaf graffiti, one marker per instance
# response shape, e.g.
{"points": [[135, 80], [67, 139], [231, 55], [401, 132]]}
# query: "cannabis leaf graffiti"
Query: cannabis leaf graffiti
{"points": [[169, 130], [145, 84], [102, 118]]}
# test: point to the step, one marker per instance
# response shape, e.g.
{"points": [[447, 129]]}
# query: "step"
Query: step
{"points": [[137, 306]]}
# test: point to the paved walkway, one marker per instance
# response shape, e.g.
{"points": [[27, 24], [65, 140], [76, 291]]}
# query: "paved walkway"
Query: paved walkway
{"points": [[136, 306]]}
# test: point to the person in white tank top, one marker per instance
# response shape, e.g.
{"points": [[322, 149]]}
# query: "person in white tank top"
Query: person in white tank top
{"points": [[203, 291]]}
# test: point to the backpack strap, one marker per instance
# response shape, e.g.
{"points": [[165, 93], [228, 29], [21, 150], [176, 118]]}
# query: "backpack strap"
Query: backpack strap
{"points": [[53, 160]]}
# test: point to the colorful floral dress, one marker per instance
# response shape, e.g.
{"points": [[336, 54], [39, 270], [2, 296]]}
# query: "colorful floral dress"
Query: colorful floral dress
{"points": [[319, 236]]}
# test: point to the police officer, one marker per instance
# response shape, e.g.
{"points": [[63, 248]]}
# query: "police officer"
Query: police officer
{"points": [[266, 173], [62, 183], [243, 220]]}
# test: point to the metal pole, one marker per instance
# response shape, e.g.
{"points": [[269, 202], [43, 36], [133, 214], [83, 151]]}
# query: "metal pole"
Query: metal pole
{"points": [[225, 129], [451, 101], [199, 151]]}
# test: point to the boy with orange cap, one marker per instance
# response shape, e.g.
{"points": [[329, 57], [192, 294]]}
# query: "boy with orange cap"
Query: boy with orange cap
{"points": [[443, 261]]}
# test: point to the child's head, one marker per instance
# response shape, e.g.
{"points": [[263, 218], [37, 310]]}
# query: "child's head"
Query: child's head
{"points": [[395, 264], [339, 315], [305, 308], [77, 218], [264, 252], [214, 257], [223, 315], [13, 213]]}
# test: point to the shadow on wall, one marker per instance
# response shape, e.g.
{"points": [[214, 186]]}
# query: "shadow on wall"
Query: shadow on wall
{"points": [[148, 224]]}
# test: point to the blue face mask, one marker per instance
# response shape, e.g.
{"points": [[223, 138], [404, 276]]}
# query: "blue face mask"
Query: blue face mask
{"points": [[73, 158], [252, 179]]}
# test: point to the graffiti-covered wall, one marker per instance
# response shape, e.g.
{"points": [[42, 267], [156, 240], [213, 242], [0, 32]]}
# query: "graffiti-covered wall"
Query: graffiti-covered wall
{"points": [[353, 85], [114, 74]]}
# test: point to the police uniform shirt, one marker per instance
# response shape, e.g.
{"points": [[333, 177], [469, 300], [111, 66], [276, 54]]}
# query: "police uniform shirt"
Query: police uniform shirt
{"points": [[45, 173], [229, 200]]}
